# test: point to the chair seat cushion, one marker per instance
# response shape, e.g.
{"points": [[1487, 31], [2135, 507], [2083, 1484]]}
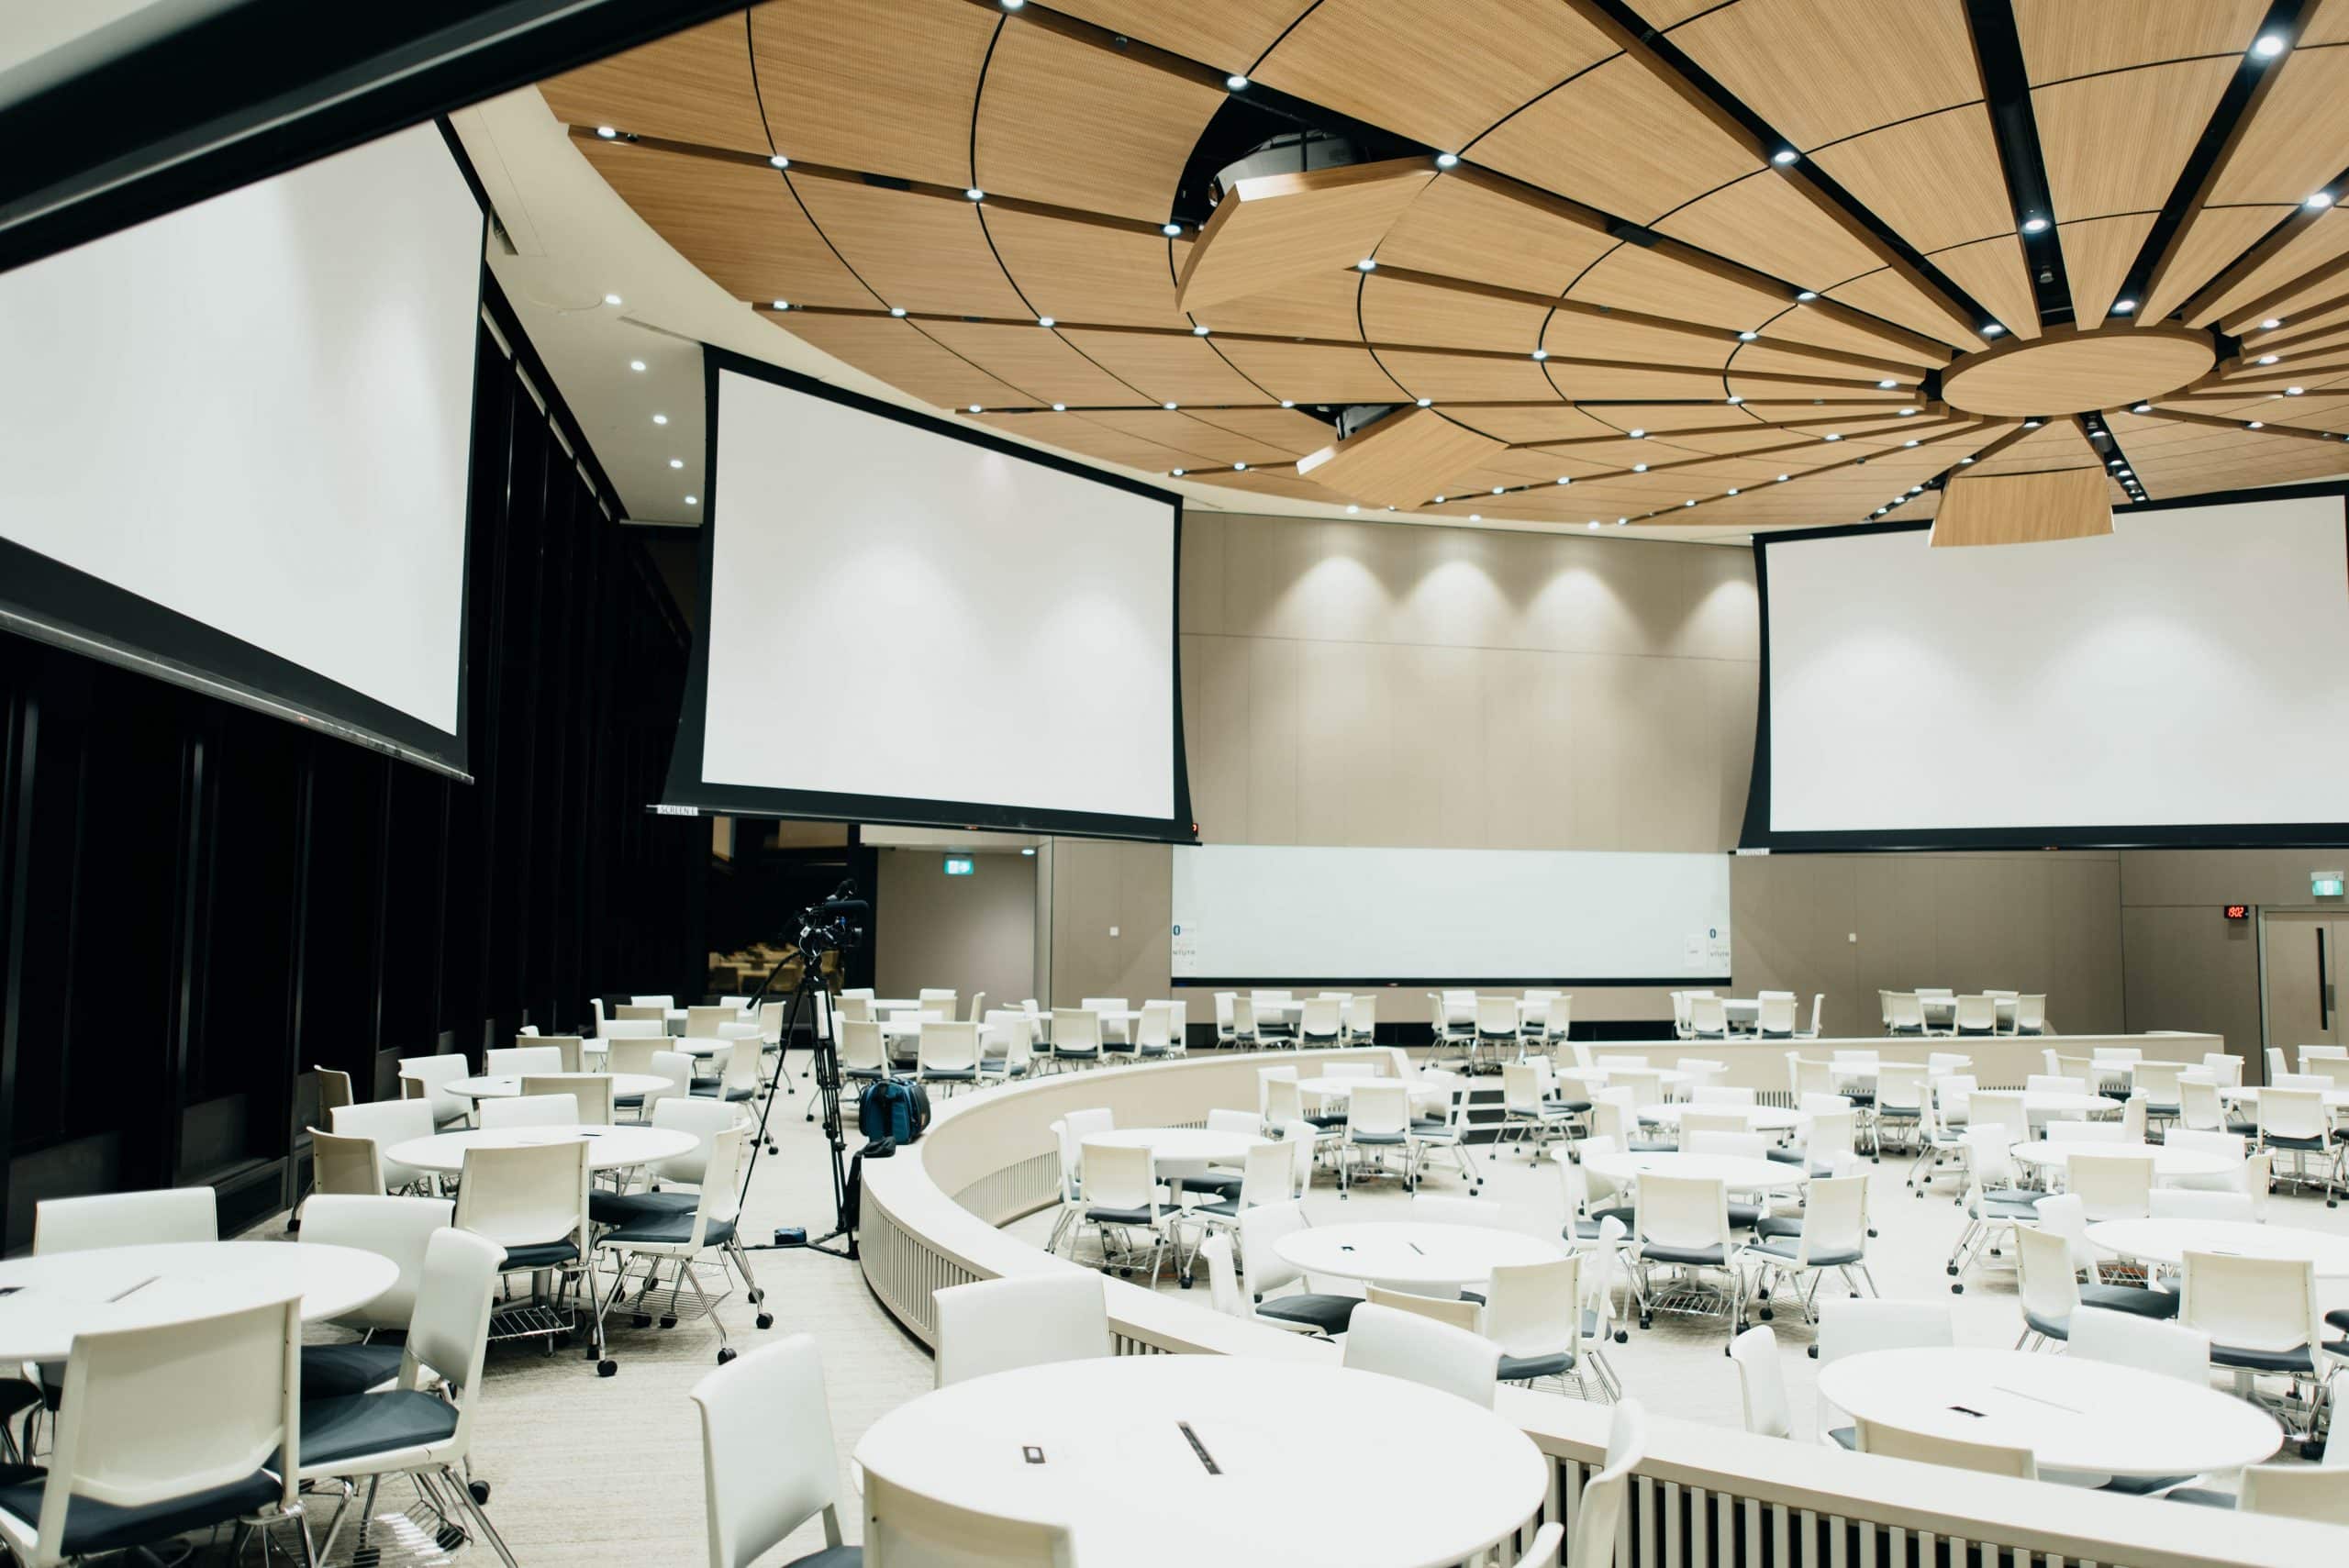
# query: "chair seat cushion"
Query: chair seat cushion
{"points": [[1778, 1225], [709, 1091], [335, 1372], [1789, 1248], [1785, 1156], [2277, 1140], [1117, 1216], [16, 1397], [2134, 1300], [1847, 1436], [619, 1209], [1655, 1253], [1327, 1313], [1521, 1369], [2200, 1496], [1649, 1146], [540, 1255], [1744, 1214], [334, 1430], [92, 1526], [2054, 1328], [672, 1229], [1588, 1230], [831, 1557], [2142, 1485], [1225, 1187], [1381, 1140], [2300, 1360], [950, 1074], [2338, 1318]]}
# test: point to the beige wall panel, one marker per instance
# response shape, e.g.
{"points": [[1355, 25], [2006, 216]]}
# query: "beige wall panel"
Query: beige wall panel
{"points": [[1273, 739], [1096, 886], [1215, 734], [1527, 751], [1199, 585], [2083, 949], [974, 933], [1792, 917], [2186, 968]]}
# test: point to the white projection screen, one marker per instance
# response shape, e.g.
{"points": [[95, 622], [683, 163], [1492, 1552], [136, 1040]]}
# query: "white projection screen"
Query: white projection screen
{"points": [[906, 621], [1324, 914], [234, 444], [2183, 680]]}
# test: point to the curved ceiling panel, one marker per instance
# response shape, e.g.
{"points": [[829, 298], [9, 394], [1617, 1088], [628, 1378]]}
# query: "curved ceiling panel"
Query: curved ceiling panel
{"points": [[882, 86]]}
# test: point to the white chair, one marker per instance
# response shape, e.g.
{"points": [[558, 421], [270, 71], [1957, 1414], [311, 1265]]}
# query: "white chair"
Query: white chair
{"points": [[769, 1462], [1598, 1520], [1016, 1032], [1361, 1018], [948, 1055], [1378, 1123], [1154, 1031], [1904, 1013], [1855, 1325], [2148, 1344], [1419, 1349], [388, 1124], [864, 1052], [2260, 1313], [1994, 1205], [939, 1000], [2118, 1186], [1762, 1384], [677, 1236], [1951, 1453], [1707, 1018], [176, 1423], [1498, 1030], [665, 1002], [2319, 1492], [147, 1218], [1267, 1176], [530, 1110], [2052, 1258], [1534, 1313], [1321, 1026], [1818, 1005], [1076, 1037], [1681, 1223], [1831, 1234], [1977, 1013], [423, 1429], [532, 1201], [1264, 1272], [2293, 1123], [1526, 1112], [1446, 1131], [998, 1324], [634, 1028], [1776, 1018], [1121, 1194], [393, 1228], [906, 1528], [1900, 1091], [2031, 1015], [514, 1059], [429, 1077]]}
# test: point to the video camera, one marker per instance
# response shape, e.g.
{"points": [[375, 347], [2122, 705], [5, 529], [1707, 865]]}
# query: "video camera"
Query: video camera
{"points": [[836, 923]]}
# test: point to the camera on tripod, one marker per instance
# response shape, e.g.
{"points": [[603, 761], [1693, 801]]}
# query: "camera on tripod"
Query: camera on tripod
{"points": [[833, 924]]}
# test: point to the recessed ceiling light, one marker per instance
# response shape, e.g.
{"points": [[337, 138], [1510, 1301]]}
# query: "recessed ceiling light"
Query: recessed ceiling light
{"points": [[1475, 516], [1747, 337], [1235, 82], [1497, 489], [1732, 489], [1447, 160], [1566, 479], [2320, 199], [611, 299], [1198, 330], [1011, 5], [2256, 424], [1991, 329], [1367, 264], [1783, 156], [1734, 401], [1240, 468], [1964, 459], [1910, 442], [896, 310], [1782, 478], [1439, 500], [2112, 462], [1427, 402], [2266, 359], [2125, 306], [1288, 402], [974, 194], [607, 132], [1639, 468], [1906, 412], [2035, 224], [1832, 435], [1805, 296], [1689, 503], [636, 364], [693, 500], [1886, 384], [2272, 323], [1170, 229], [2128, 475], [781, 304], [2292, 392], [660, 418], [1352, 508], [1180, 472], [1637, 434], [780, 161], [1594, 522], [2032, 424], [2267, 46], [1168, 406], [1044, 321], [676, 463], [1059, 407], [974, 409], [1540, 353]]}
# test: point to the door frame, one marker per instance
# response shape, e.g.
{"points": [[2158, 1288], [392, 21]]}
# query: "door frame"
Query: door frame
{"points": [[2260, 913]]}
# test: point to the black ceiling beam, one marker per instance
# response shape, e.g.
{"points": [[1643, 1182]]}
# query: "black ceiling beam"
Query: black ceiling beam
{"points": [[2005, 89], [147, 115]]}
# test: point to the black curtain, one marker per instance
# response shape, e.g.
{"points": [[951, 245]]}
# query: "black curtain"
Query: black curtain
{"points": [[199, 904]]}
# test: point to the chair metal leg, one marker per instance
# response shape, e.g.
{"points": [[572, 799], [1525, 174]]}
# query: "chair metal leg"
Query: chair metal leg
{"points": [[486, 1531]]}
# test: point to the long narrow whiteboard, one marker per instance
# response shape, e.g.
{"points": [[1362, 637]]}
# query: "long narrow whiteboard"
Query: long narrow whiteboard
{"points": [[1309, 913]]}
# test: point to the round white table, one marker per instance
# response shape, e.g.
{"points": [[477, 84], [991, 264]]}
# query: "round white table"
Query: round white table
{"points": [[1188, 1144], [52, 1298], [1667, 1077], [2168, 1241], [1342, 1087], [2093, 1417], [2062, 1102], [1411, 1254], [1112, 1462], [2045, 1154], [1758, 1118], [1735, 1172], [506, 1086], [2334, 1099], [609, 1148]]}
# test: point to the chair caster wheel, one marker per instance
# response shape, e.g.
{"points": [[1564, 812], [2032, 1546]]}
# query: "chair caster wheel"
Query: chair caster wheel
{"points": [[2312, 1449], [448, 1537], [1647, 1321], [1919, 1194], [1871, 1231], [667, 1321], [1957, 1290], [1622, 1337], [1183, 1280], [758, 1297], [642, 1320], [607, 1367], [1766, 1313], [764, 1319], [725, 1356], [1950, 1269], [1813, 1352], [480, 1490]]}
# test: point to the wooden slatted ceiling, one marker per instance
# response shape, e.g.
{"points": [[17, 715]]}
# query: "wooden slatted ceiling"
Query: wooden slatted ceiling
{"points": [[1935, 179], [1168, 369], [1808, 324], [1321, 305], [913, 250], [1230, 35], [1272, 483], [695, 85], [2293, 143], [1037, 361], [1818, 71], [900, 354], [2316, 244], [1284, 430], [1764, 222], [1995, 273], [1399, 459], [2215, 237], [2117, 143], [2023, 509], [1886, 293], [1082, 272], [880, 85], [1311, 373], [1655, 282], [1537, 422], [1197, 435], [1061, 120], [2314, 299], [2056, 444], [1466, 224], [2081, 38], [1080, 434], [1577, 336], [1395, 310], [1447, 378], [2327, 23], [1590, 383], [737, 222], [1441, 75], [1662, 152], [2097, 254], [2174, 459], [1274, 227]]}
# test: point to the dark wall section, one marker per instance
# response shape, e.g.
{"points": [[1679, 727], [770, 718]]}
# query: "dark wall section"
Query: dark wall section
{"points": [[198, 904]]}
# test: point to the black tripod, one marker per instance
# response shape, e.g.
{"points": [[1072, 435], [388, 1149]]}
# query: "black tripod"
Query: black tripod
{"points": [[816, 938]]}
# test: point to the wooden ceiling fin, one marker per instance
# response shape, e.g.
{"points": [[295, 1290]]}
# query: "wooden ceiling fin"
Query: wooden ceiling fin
{"points": [[1400, 459], [2023, 509], [1275, 228]]}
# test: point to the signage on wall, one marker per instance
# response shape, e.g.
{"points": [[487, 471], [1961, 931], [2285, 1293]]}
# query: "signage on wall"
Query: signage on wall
{"points": [[2324, 885], [959, 865], [2238, 911]]}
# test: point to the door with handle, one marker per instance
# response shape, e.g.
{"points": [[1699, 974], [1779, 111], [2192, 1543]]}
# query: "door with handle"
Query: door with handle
{"points": [[2306, 954]]}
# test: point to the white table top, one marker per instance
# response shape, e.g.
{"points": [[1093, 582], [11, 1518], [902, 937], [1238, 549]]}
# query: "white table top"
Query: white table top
{"points": [[2168, 1241], [1413, 1253], [1181, 1142], [2074, 1414], [1670, 1077], [63, 1294], [1339, 1088], [1119, 1471], [2167, 1162], [506, 1086], [2334, 1099], [1737, 1172], [1758, 1118], [609, 1148], [2062, 1102]]}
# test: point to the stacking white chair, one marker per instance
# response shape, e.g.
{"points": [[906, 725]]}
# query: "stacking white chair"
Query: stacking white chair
{"points": [[530, 1110], [532, 1201], [643, 1013], [2053, 1259], [428, 1078], [1681, 1027], [769, 1461], [1360, 1015], [2199, 1108], [939, 999], [1001, 1324], [1264, 1273], [863, 1052], [1993, 1206], [1900, 1091], [499, 1060], [1681, 1224], [1951, 1453], [2319, 1491], [1266, 1176], [1498, 1038], [1831, 1234], [1977, 1013], [1274, 1024], [1775, 1019], [1070, 1137], [1321, 1026], [1590, 1199], [423, 1429], [1761, 1383], [1378, 1123], [1904, 1014], [906, 1529], [1526, 1112], [1225, 1031], [393, 1228], [1852, 1326], [948, 1056], [1155, 1031], [1121, 1194], [1015, 1032], [1707, 1018], [1447, 1131], [1076, 1037], [176, 1425], [656, 1234], [152, 1218], [2118, 1186], [1534, 1313], [2293, 1123], [387, 1124], [1420, 1350], [740, 1074], [636, 1028], [350, 1166], [2260, 1313]]}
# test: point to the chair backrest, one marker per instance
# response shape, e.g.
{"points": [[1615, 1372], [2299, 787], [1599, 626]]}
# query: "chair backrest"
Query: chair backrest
{"points": [[1027, 1320], [499, 1060], [2300, 1491], [947, 1047], [1762, 1384], [768, 1460], [1321, 1017], [1904, 1012], [1696, 1125], [125, 1219], [2292, 1113], [2198, 1104], [2157, 1081], [1646, 1085], [677, 1068], [1811, 1077], [906, 1528], [590, 1093], [334, 1089], [636, 1028], [863, 1046], [2148, 1344], [2112, 1187], [385, 1122], [1223, 1279], [1851, 1326], [2044, 1277], [449, 1330], [2003, 1110], [1155, 1029], [1978, 1013], [530, 1110], [394, 1227], [1900, 1085], [1597, 1521], [2224, 1066], [1458, 1311], [1117, 1176], [2251, 1304], [1497, 1015], [1834, 1220], [1722, 1094], [526, 1195], [643, 1013], [1735, 1142], [1708, 1017], [1378, 1107], [1261, 1268], [704, 1023], [170, 1410], [1360, 1017], [345, 1166], [634, 1054], [1775, 1018], [1682, 1211], [662, 1001], [1535, 1310], [429, 1077], [1952, 1453], [706, 1119], [1075, 1029], [1420, 1350], [2334, 1070], [1830, 1139]]}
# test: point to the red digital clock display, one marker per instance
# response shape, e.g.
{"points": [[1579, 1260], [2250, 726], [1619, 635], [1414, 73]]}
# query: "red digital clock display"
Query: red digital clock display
{"points": [[2238, 911]]}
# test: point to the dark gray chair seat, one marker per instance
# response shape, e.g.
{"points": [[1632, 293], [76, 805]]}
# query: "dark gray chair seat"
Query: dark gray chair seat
{"points": [[365, 1424], [734, 1097], [1328, 1313], [1787, 1249], [831, 1557], [1588, 1230], [1521, 1369], [671, 1228], [337, 1372], [2201, 1498], [2279, 1362], [1117, 1216], [2339, 1318], [93, 1527], [542, 1255], [1378, 1140], [2306, 1145], [619, 1208], [2135, 1300], [1654, 1253], [1779, 1225]]}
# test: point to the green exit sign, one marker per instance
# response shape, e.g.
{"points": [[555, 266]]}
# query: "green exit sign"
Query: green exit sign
{"points": [[959, 865], [2324, 885]]}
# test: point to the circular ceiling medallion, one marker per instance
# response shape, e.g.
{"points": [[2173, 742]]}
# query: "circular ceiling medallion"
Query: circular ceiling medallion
{"points": [[2068, 370]]}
